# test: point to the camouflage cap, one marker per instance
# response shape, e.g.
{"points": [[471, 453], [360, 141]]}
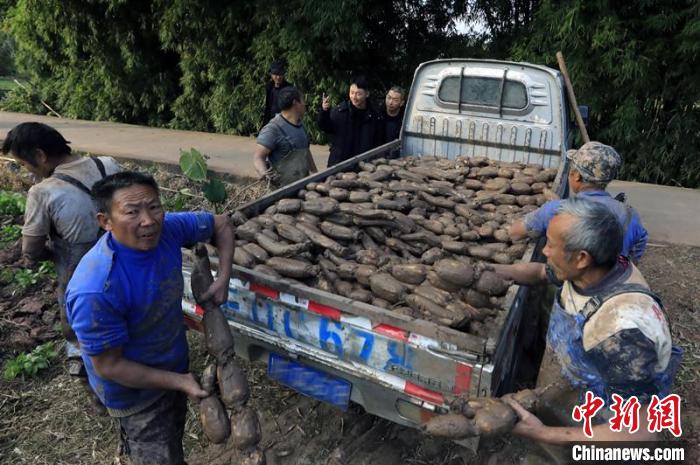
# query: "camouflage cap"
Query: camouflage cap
{"points": [[596, 162]]}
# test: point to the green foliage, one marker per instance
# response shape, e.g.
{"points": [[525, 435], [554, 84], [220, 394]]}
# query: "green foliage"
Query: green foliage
{"points": [[29, 364], [636, 64], [7, 52], [11, 203], [6, 84], [202, 65], [95, 60], [178, 201], [24, 279], [47, 268], [194, 165], [9, 233], [214, 190]]}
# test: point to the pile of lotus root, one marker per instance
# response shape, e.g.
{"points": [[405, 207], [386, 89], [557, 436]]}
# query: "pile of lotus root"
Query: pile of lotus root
{"points": [[409, 235]]}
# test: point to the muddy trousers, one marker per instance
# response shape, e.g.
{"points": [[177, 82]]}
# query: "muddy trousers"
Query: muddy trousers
{"points": [[154, 435]]}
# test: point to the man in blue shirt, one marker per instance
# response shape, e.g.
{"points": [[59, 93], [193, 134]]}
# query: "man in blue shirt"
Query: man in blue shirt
{"points": [[124, 304], [593, 166]]}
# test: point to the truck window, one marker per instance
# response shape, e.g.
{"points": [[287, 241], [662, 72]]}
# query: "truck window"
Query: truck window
{"points": [[483, 91]]}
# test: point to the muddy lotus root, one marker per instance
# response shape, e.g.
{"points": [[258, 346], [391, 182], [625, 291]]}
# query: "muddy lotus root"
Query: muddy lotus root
{"points": [[215, 422], [378, 235], [486, 417]]}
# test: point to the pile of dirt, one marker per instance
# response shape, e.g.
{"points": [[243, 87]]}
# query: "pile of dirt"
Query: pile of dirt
{"points": [[29, 313]]}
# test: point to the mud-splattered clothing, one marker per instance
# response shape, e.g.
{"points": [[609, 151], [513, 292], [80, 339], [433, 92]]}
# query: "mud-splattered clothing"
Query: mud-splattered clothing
{"points": [[120, 297], [65, 214], [154, 435], [635, 235], [58, 209], [624, 347]]}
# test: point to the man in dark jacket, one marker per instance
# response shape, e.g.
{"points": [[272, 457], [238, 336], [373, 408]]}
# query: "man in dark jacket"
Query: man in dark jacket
{"points": [[272, 89], [354, 124], [393, 113]]}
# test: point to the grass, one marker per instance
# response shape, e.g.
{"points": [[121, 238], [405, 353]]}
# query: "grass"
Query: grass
{"points": [[7, 84]]}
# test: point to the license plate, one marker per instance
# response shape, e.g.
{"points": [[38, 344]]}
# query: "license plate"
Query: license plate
{"points": [[309, 381]]}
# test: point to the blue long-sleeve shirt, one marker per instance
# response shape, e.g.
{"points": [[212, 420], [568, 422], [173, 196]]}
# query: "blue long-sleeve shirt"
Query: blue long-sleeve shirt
{"points": [[635, 235]]}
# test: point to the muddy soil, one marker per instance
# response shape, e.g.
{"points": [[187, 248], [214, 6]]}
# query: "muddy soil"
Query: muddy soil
{"points": [[672, 271]]}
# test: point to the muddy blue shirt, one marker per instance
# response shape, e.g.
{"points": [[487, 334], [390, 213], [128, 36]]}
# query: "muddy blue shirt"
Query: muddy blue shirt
{"points": [[635, 235], [120, 297], [624, 347]]}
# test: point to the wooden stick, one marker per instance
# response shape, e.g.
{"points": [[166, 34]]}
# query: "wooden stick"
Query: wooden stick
{"points": [[572, 97], [42, 102]]}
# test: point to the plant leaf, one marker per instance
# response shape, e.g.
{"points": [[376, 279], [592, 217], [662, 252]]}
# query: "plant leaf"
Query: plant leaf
{"points": [[193, 165], [214, 191]]}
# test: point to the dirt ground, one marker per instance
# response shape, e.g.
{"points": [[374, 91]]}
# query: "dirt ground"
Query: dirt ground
{"points": [[47, 419]]}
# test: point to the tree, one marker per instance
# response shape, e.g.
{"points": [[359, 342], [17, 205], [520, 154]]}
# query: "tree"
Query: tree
{"points": [[637, 65], [201, 64], [96, 60]]}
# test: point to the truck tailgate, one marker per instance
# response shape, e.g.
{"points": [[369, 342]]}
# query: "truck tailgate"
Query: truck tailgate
{"points": [[422, 368]]}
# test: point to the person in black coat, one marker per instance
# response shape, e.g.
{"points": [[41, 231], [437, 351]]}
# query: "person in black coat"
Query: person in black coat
{"points": [[355, 125], [272, 89], [393, 113]]}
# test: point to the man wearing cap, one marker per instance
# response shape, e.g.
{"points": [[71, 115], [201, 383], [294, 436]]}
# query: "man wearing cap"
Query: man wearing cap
{"points": [[593, 166], [272, 89]]}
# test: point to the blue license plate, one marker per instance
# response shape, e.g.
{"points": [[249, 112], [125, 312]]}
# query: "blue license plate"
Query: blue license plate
{"points": [[309, 381]]}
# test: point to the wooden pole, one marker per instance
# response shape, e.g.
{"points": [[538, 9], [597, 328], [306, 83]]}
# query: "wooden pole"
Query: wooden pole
{"points": [[572, 97]]}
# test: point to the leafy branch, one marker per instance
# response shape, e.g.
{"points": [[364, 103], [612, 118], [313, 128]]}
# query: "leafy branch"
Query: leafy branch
{"points": [[194, 165]]}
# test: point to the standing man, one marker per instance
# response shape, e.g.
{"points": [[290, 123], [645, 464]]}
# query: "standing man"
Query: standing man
{"points": [[608, 333], [273, 88], [393, 113], [593, 166], [124, 304], [59, 219], [354, 125], [282, 149]]}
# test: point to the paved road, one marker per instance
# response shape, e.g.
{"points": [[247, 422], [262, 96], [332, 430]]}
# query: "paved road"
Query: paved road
{"points": [[671, 214], [228, 154]]}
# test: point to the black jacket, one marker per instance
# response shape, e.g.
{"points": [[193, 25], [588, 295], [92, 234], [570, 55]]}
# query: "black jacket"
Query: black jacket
{"points": [[271, 106], [392, 125], [353, 133]]}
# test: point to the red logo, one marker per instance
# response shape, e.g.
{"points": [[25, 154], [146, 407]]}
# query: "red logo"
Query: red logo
{"points": [[587, 411], [626, 414], [665, 414]]}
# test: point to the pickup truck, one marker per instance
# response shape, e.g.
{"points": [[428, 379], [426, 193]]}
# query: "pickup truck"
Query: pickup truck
{"points": [[399, 368]]}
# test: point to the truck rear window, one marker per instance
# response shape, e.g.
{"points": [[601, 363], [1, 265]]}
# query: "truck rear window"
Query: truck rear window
{"points": [[483, 91]]}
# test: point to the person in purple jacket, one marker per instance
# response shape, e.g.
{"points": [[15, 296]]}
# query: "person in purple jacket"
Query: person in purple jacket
{"points": [[593, 166]]}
